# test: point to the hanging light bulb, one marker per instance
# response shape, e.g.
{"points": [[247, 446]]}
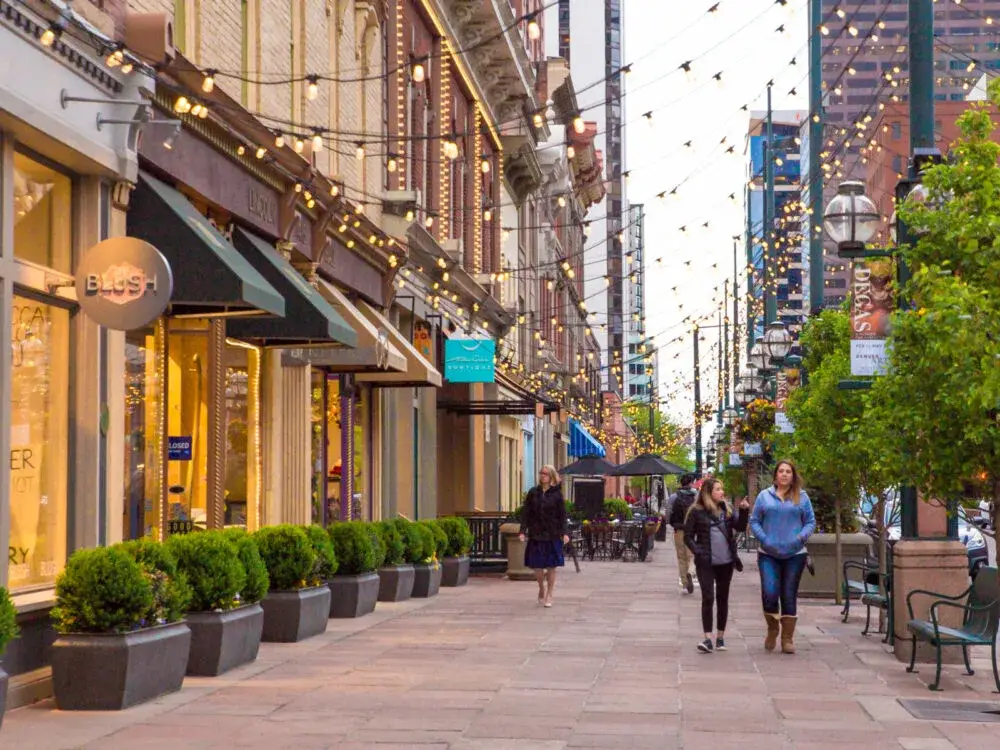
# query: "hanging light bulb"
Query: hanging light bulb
{"points": [[570, 152], [417, 72], [487, 215], [334, 190], [429, 221], [52, 34], [360, 151], [261, 151], [579, 125], [208, 83], [484, 165], [534, 30], [312, 90], [182, 105], [300, 145], [279, 140], [391, 164], [538, 120], [317, 143]]}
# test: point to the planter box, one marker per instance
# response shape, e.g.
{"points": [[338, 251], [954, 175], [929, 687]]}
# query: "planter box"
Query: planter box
{"points": [[455, 570], [516, 569], [395, 583], [426, 580], [106, 672], [221, 641], [292, 616], [4, 679], [823, 549], [353, 595]]}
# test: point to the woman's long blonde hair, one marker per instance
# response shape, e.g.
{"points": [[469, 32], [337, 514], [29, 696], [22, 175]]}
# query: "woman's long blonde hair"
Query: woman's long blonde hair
{"points": [[795, 489], [553, 474], [706, 501]]}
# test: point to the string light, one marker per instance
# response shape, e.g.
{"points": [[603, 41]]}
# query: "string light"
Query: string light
{"points": [[208, 83], [359, 153], [312, 90]]}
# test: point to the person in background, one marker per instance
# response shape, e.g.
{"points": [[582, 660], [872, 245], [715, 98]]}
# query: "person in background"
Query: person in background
{"points": [[710, 533], [782, 520], [628, 498], [544, 523], [680, 504]]}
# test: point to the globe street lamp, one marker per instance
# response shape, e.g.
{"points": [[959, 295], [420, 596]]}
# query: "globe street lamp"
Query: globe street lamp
{"points": [[758, 357], [851, 219], [777, 342], [729, 416]]}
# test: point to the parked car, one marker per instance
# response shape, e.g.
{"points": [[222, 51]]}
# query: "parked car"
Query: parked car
{"points": [[968, 534]]}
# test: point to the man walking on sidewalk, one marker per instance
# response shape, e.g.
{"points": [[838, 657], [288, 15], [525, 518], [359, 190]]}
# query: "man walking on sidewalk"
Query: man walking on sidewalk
{"points": [[679, 506]]}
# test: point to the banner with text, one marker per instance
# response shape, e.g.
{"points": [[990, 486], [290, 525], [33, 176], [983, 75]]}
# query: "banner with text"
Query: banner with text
{"points": [[872, 302]]}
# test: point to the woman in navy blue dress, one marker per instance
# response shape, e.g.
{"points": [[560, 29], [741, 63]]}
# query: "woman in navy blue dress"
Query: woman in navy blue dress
{"points": [[544, 523]]}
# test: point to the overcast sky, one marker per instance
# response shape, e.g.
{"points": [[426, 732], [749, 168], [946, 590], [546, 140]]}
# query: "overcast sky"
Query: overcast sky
{"points": [[740, 41]]}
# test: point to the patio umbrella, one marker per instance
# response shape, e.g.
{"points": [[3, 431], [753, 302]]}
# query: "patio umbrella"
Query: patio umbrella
{"points": [[590, 466], [648, 465]]}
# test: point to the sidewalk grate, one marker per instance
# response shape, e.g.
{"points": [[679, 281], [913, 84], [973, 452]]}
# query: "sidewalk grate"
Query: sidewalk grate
{"points": [[934, 710]]}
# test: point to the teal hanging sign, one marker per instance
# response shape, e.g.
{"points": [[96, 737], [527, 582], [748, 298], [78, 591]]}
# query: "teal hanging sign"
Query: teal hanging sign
{"points": [[470, 360]]}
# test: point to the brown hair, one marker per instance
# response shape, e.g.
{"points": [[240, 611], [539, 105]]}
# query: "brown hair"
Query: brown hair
{"points": [[705, 499], [795, 489]]}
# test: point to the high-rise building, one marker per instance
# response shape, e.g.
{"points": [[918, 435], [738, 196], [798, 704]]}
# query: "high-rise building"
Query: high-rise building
{"points": [[860, 70], [640, 357], [786, 270], [585, 28]]}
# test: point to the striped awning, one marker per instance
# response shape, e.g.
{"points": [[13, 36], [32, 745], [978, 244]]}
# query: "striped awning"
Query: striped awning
{"points": [[582, 443]]}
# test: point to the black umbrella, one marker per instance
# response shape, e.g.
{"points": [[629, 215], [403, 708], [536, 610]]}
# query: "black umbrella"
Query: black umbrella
{"points": [[648, 465], [590, 466]]}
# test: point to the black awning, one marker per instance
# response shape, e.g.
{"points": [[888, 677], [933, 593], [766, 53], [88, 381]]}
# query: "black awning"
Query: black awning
{"points": [[496, 408], [309, 318], [210, 276]]}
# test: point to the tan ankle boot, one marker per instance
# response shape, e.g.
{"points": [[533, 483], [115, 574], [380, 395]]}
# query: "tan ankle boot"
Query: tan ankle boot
{"points": [[788, 634], [773, 627]]}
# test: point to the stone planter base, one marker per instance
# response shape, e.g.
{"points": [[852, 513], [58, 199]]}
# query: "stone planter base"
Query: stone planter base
{"points": [[221, 641], [426, 580], [292, 616], [455, 570], [98, 672], [353, 595], [395, 583], [516, 569], [823, 550], [4, 679]]}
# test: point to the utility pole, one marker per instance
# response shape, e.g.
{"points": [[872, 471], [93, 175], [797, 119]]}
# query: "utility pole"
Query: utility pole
{"points": [[817, 267], [719, 327], [697, 407], [725, 345], [770, 298], [921, 52], [736, 319]]}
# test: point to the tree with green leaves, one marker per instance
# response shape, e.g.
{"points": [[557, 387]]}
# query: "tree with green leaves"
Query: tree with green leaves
{"points": [[666, 437], [935, 416]]}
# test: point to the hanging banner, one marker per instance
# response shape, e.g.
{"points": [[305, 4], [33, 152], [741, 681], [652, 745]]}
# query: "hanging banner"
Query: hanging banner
{"points": [[423, 340], [872, 303], [787, 381], [470, 360]]}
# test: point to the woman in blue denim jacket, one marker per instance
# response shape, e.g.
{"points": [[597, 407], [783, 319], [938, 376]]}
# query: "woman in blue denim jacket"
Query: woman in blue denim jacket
{"points": [[782, 521]]}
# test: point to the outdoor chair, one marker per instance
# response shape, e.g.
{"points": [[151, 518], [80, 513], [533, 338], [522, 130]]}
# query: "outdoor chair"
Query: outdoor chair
{"points": [[872, 588], [980, 622]]}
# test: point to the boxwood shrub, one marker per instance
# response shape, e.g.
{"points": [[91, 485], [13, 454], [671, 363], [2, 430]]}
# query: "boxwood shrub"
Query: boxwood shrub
{"points": [[326, 557], [8, 620], [171, 590], [257, 582], [440, 539], [355, 549], [287, 554], [381, 550], [102, 590], [460, 539], [395, 549], [427, 543], [211, 563], [413, 543]]}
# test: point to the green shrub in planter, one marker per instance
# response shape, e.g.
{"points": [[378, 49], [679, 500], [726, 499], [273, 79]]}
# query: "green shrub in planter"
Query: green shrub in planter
{"points": [[257, 583], [395, 548], [288, 556], [102, 590], [326, 557], [615, 506], [211, 563], [460, 539], [427, 543], [8, 620], [355, 549], [379, 544], [171, 590], [413, 542], [440, 539]]}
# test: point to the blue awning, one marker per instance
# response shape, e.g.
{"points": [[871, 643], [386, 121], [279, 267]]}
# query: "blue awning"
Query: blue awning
{"points": [[582, 443]]}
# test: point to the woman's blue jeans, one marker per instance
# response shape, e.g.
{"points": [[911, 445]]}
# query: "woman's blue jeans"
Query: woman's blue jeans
{"points": [[779, 583]]}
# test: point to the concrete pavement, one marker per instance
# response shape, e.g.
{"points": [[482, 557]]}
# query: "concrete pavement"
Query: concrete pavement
{"points": [[612, 665]]}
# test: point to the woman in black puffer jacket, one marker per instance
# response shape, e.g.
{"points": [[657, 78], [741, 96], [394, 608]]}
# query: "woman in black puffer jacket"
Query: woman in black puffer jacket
{"points": [[710, 533], [544, 521]]}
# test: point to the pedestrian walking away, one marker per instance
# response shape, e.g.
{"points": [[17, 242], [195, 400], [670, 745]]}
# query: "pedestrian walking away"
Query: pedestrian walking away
{"points": [[782, 520], [679, 506], [710, 534], [544, 523]]}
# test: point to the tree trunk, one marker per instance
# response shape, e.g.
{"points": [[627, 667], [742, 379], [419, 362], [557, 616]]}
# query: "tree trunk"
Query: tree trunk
{"points": [[840, 554]]}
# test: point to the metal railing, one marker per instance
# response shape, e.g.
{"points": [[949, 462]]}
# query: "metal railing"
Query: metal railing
{"points": [[488, 545]]}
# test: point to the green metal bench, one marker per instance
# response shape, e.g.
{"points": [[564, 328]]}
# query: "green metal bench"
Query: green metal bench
{"points": [[980, 622], [873, 589]]}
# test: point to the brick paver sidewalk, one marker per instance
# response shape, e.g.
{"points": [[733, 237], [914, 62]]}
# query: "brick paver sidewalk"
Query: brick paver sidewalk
{"points": [[613, 664]]}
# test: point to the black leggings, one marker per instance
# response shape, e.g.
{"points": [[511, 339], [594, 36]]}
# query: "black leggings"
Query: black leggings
{"points": [[714, 581]]}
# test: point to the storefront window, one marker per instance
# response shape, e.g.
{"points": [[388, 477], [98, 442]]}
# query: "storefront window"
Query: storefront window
{"points": [[362, 401], [43, 215], [334, 452], [242, 434], [334, 459], [318, 425], [143, 442], [39, 444]]}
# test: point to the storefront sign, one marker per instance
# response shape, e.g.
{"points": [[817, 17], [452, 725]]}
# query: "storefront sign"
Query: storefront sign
{"points": [[470, 360], [179, 448], [735, 460], [123, 283], [872, 302], [423, 340], [753, 449]]}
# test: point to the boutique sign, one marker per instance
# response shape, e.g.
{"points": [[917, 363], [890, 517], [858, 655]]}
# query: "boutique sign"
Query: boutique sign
{"points": [[470, 360], [123, 283]]}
